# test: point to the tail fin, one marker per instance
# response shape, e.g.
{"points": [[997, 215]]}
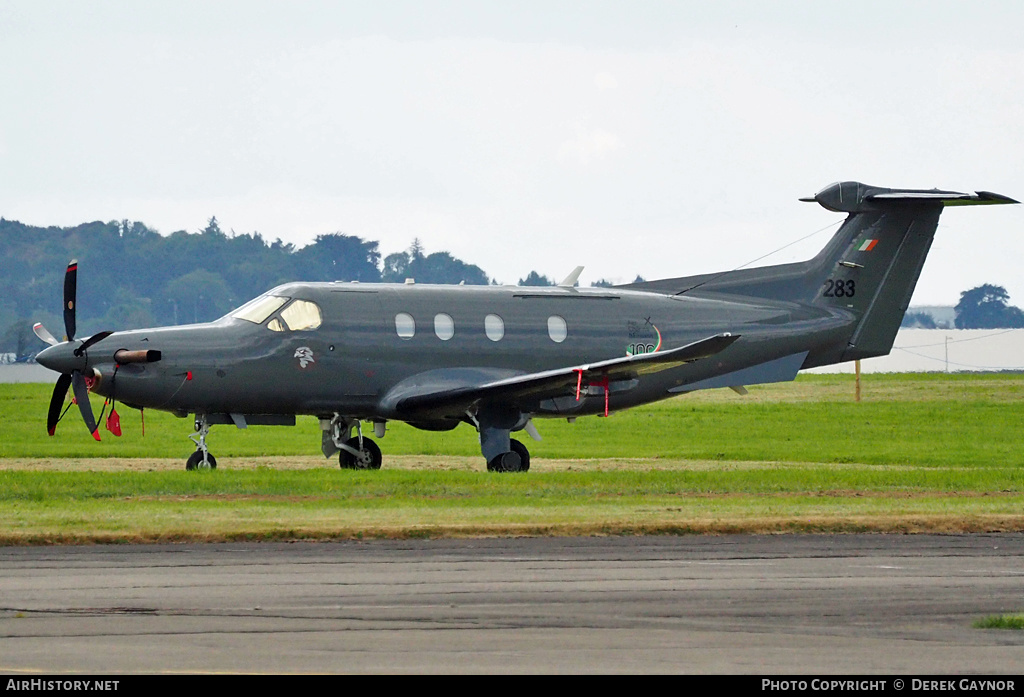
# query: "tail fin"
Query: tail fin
{"points": [[879, 254], [869, 268]]}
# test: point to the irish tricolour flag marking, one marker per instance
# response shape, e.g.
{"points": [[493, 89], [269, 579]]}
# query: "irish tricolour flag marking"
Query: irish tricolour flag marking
{"points": [[867, 245]]}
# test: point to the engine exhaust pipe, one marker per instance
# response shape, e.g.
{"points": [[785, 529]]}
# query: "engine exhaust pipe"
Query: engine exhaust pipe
{"points": [[124, 356]]}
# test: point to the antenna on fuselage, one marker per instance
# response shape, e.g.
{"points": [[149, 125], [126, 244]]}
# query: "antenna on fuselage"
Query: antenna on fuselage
{"points": [[572, 278]]}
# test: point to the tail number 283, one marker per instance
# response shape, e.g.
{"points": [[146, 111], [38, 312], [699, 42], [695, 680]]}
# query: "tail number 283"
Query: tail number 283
{"points": [[840, 288]]}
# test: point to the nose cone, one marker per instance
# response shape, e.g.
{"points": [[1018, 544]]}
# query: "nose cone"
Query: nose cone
{"points": [[61, 358]]}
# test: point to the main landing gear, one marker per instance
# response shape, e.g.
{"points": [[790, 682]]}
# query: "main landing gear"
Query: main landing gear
{"points": [[201, 458], [503, 454], [354, 452]]}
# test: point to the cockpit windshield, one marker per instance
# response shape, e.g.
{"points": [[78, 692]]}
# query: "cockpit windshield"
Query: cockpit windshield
{"points": [[297, 315], [258, 309]]}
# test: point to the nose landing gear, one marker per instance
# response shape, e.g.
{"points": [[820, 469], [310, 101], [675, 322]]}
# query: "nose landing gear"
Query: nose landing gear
{"points": [[354, 452], [201, 458], [360, 454]]}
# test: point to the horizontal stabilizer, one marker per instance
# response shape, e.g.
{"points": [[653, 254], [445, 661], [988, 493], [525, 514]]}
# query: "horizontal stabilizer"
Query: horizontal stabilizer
{"points": [[854, 197], [948, 198]]}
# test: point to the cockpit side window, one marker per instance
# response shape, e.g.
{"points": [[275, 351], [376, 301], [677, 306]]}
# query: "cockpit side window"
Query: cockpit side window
{"points": [[258, 309], [302, 315]]}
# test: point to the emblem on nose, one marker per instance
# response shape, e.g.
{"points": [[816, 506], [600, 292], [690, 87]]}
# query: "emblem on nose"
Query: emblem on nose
{"points": [[305, 356]]}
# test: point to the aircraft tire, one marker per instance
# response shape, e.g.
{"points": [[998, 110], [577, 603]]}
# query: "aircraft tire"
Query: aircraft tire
{"points": [[524, 455], [508, 462], [195, 461], [371, 458]]}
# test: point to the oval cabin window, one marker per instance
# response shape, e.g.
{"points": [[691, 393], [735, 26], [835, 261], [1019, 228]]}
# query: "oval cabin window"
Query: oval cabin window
{"points": [[557, 329], [444, 326], [405, 325], [494, 327]]}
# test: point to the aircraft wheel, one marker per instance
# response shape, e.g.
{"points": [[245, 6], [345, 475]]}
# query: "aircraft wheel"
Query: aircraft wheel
{"points": [[524, 455], [195, 461], [369, 457]]}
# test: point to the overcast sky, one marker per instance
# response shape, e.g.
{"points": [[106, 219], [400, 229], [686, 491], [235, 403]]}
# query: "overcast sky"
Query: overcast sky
{"points": [[652, 138]]}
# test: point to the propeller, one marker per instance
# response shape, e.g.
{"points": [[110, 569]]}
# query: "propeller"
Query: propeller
{"points": [[43, 334], [71, 365]]}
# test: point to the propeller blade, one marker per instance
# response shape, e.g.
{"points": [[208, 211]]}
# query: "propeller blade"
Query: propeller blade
{"points": [[84, 406], [60, 390], [70, 291], [95, 338], [43, 334]]}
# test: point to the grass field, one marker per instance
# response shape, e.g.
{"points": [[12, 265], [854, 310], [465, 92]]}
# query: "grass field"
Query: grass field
{"points": [[919, 452]]}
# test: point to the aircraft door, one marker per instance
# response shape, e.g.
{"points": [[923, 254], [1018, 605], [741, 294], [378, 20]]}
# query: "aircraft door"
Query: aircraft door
{"points": [[350, 345]]}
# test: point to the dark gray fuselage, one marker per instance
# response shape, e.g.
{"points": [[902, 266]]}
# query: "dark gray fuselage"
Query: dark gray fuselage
{"points": [[356, 357]]}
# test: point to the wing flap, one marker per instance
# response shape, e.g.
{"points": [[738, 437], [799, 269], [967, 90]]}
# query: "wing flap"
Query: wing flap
{"points": [[549, 383], [779, 370]]}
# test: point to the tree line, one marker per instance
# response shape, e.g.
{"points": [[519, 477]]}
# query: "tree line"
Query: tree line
{"points": [[984, 307]]}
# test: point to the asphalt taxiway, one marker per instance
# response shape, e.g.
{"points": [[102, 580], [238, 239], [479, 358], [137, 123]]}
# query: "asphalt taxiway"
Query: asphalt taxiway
{"points": [[896, 604]]}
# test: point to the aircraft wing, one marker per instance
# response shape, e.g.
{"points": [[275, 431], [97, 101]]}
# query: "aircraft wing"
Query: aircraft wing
{"points": [[557, 382]]}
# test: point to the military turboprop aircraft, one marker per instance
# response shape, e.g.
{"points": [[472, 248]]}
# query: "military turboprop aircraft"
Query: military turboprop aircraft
{"points": [[498, 357]]}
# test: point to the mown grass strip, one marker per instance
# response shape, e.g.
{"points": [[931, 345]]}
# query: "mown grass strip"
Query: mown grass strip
{"points": [[326, 503]]}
